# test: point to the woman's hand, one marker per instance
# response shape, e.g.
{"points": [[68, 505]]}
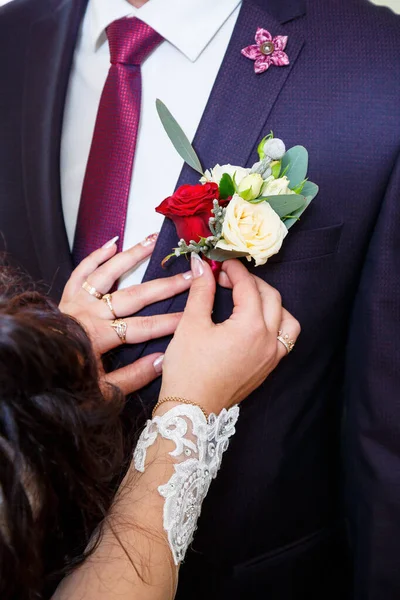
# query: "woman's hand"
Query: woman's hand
{"points": [[213, 365], [217, 366], [101, 270]]}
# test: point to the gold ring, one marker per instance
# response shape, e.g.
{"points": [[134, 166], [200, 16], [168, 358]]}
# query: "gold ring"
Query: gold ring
{"points": [[284, 339], [120, 327], [108, 300], [91, 290]]}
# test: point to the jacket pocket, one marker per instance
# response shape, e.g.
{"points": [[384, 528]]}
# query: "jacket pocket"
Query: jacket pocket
{"points": [[315, 567], [308, 244]]}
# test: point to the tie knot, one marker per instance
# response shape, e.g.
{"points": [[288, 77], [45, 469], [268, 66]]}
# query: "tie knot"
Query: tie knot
{"points": [[131, 41]]}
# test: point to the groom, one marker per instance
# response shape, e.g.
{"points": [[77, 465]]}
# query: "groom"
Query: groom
{"points": [[307, 504]]}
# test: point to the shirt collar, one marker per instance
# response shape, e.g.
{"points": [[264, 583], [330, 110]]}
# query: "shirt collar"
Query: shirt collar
{"points": [[189, 25]]}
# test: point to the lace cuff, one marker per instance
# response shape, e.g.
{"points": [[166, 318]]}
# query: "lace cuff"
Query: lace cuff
{"points": [[199, 446]]}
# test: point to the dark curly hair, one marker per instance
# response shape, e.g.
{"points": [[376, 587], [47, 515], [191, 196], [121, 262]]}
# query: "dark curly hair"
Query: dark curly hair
{"points": [[63, 450]]}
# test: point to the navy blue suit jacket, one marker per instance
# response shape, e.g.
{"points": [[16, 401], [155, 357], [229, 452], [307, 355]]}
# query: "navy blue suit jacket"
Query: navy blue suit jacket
{"points": [[273, 523]]}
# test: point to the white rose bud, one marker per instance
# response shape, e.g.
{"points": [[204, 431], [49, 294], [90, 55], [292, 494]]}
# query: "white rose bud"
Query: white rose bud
{"points": [[255, 229], [275, 148], [250, 186], [277, 187], [214, 175]]}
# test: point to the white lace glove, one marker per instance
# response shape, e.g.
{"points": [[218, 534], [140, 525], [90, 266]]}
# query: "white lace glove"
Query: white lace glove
{"points": [[200, 444]]}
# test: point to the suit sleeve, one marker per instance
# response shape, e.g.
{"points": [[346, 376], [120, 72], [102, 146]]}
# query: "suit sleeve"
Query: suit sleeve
{"points": [[372, 423]]}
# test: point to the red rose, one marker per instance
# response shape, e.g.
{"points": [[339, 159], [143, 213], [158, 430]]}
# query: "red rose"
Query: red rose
{"points": [[190, 210]]}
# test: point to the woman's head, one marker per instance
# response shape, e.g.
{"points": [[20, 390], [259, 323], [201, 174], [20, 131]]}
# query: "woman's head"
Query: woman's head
{"points": [[61, 443]]}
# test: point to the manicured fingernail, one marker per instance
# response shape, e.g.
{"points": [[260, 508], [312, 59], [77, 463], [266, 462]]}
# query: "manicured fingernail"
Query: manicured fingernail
{"points": [[188, 275], [223, 278], [197, 265], [111, 242], [150, 240], [158, 364]]}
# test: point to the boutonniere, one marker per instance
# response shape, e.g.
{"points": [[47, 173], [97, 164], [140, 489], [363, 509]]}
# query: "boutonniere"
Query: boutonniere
{"points": [[236, 212], [267, 51]]}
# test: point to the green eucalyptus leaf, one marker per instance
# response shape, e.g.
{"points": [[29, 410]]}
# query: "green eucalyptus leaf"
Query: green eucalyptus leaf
{"points": [[310, 189], [286, 205], [220, 255], [178, 137], [226, 186], [259, 199], [295, 165], [295, 216], [282, 204]]}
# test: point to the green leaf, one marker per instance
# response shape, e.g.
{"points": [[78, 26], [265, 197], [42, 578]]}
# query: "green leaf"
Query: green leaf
{"points": [[284, 171], [296, 159], [286, 205], [235, 185], [310, 189], [260, 147], [299, 188], [247, 194], [283, 205], [220, 255], [295, 216], [259, 199], [178, 137], [276, 169], [226, 186]]}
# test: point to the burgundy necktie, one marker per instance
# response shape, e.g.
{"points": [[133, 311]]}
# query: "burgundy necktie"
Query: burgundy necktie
{"points": [[105, 192]]}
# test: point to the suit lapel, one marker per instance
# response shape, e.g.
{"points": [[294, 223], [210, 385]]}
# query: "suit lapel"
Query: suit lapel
{"points": [[241, 101], [50, 49], [236, 115]]}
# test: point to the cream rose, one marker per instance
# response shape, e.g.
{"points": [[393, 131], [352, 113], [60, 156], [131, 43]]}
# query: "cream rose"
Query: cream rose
{"points": [[214, 175], [252, 228], [277, 187]]}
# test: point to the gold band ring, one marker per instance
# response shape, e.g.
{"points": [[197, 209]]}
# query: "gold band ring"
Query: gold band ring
{"points": [[91, 290], [284, 339], [108, 300], [120, 327]]}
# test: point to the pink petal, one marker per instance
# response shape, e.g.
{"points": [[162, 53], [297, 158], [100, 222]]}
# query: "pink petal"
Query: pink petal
{"points": [[262, 36], [280, 42], [251, 52], [279, 59], [262, 64]]}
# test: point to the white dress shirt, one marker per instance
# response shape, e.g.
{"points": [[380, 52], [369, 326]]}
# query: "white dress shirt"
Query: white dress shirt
{"points": [[181, 72]]}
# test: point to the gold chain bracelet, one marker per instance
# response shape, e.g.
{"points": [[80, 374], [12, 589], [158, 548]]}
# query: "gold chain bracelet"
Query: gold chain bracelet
{"points": [[181, 401]]}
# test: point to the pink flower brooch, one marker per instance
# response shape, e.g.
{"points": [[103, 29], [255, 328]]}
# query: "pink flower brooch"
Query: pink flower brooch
{"points": [[267, 51]]}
